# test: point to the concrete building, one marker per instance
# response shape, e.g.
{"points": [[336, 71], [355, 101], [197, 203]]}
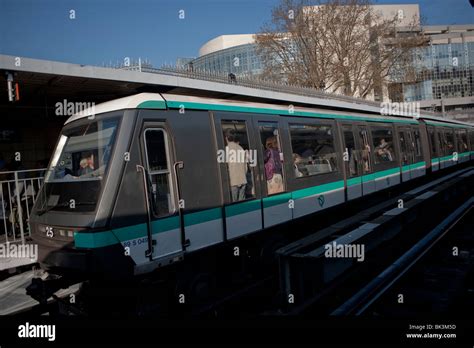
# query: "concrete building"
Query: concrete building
{"points": [[445, 68]]}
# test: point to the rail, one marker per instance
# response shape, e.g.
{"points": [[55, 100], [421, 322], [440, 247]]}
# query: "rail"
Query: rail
{"points": [[254, 81], [306, 272], [379, 285], [18, 192]]}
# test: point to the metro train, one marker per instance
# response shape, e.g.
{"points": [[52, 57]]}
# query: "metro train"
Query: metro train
{"points": [[143, 181]]}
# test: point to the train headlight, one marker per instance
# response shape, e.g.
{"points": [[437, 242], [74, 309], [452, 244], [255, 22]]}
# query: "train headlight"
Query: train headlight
{"points": [[63, 233]]}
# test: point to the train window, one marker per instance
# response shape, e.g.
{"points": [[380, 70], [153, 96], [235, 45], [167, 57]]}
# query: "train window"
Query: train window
{"points": [[432, 136], [79, 165], [313, 149], [350, 151], [462, 140], [83, 152], [441, 142], [239, 160], [272, 157], [417, 142], [364, 139], [383, 144], [471, 138], [156, 147], [404, 148], [449, 142]]}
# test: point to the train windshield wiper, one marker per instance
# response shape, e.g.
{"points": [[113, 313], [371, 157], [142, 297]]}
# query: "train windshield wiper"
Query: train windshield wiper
{"points": [[62, 205]]}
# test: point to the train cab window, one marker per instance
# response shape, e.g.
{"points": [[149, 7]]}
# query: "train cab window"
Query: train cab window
{"points": [[461, 138], [313, 149], [157, 155], [350, 151], [383, 144], [239, 159], [79, 165], [272, 157]]}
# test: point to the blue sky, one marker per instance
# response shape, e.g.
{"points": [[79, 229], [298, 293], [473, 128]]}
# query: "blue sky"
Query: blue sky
{"points": [[108, 30]]}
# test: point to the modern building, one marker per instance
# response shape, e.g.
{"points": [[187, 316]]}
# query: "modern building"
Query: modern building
{"points": [[229, 54], [445, 68]]}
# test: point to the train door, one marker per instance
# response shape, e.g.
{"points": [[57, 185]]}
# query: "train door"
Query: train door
{"points": [[471, 143], [352, 157], [163, 221], [418, 167], [433, 147], [368, 178], [451, 156], [274, 168], [405, 137], [462, 145], [442, 148], [239, 171]]}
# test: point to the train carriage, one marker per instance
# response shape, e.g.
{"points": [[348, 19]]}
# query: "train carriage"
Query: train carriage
{"points": [[148, 179]]}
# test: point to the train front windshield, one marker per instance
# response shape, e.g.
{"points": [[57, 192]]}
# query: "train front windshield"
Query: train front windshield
{"points": [[77, 171]]}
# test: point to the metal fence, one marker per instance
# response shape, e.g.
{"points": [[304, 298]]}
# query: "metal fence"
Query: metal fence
{"points": [[18, 192], [257, 82]]}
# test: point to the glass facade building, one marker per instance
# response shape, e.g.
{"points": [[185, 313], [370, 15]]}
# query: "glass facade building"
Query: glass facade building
{"points": [[239, 60], [442, 71]]}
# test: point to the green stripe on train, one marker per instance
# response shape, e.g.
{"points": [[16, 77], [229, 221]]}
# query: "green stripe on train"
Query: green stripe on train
{"points": [[354, 181], [118, 235], [271, 201], [310, 191], [152, 104], [387, 172], [452, 125], [451, 157], [242, 208], [115, 236], [257, 110], [122, 234]]}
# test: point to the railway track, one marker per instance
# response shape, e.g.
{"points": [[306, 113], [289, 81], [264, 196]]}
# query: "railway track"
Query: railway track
{"points": [[435, 278], [322, 285]]}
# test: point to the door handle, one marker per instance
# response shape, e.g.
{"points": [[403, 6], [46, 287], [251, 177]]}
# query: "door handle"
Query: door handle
{"points": [[149, 252], [184, 242]]}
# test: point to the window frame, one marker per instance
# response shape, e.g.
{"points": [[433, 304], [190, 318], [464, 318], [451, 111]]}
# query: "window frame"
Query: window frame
{"points": [[376, 167], [159, 172], [433, 143], [451, 131], [239, 118], [335, 145], [349, 128], [262, 151]]}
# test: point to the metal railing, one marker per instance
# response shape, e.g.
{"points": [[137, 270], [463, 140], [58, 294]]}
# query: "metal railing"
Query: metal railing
{"points": [[257, 82], [18, 192], [254, 81]]}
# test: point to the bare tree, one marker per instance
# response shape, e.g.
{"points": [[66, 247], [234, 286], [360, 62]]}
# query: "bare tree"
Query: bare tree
{"points": [[338, 45]]}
